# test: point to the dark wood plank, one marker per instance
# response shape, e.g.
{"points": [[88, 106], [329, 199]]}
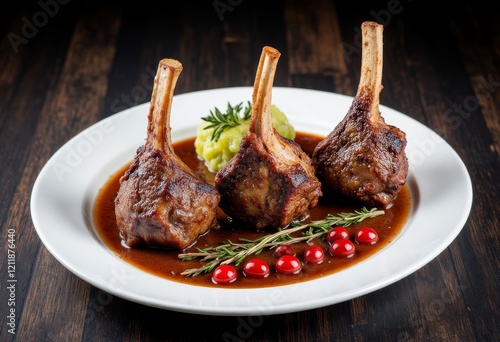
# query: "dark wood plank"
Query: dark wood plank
{"points": [[313, 38], [314, 44], [72, 106], [246, 31], [90, 60], [26, 81]]}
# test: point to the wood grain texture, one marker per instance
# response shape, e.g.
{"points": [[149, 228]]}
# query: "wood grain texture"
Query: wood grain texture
{"points": [[88, 61], [313, 38]]}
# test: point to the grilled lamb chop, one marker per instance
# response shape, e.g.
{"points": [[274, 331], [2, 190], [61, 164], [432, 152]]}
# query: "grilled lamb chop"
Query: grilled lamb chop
{"points": [[363, 158], [270, 181], [161, 201]]}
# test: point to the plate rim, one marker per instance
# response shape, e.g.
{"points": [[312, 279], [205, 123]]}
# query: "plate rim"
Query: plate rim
{"points": [[249, 310]]}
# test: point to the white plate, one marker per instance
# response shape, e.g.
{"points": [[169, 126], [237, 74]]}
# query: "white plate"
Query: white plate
{"points": [[63, 195]]}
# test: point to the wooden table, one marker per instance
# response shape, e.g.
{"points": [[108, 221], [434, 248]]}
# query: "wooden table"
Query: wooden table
{"points": [[66, 65]]}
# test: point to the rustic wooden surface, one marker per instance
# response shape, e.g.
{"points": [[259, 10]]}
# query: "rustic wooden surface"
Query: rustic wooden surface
{"points": [[66, 65]]}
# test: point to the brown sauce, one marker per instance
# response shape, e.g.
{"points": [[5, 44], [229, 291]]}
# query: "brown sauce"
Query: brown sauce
{"points": [[166, 264]]}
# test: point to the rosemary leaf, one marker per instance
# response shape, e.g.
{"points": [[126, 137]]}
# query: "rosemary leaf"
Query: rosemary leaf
{"points": [[230, 252], [219, 121]]}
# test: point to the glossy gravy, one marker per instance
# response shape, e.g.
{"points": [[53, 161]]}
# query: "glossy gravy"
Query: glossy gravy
{"points": [[165, 263]]}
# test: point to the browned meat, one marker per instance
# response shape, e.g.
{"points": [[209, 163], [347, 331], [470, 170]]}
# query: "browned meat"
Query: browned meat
{"points": [[363, 158], [270, 181], [161, 201]]}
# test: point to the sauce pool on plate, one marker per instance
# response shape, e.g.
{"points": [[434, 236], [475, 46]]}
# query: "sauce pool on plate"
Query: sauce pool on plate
{"points": [[166, 264]]}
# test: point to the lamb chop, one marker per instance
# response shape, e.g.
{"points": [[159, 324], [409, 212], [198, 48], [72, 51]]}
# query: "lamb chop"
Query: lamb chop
{"points": [[270, 181], [161, 201], [363, 158]]}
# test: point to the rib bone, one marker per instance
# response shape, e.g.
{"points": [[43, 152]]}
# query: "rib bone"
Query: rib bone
{"points": [[363, 158], [161, 103], [270, 181], [370, 83], [161, 201]]}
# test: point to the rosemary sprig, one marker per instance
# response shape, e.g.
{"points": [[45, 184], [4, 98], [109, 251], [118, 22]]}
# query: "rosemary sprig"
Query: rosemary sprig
{"points": [[231, 252], [231, 118]]}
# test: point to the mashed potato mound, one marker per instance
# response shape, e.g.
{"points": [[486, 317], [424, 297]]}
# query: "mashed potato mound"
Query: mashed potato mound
{"points": [[216, 154]]}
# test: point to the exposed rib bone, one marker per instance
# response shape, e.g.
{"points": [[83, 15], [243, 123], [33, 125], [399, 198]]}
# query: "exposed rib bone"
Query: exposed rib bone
{"points": [[363, 158], [261, 123], [161, 201], [161, 103], [270, 181], [370, 83]]}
